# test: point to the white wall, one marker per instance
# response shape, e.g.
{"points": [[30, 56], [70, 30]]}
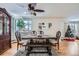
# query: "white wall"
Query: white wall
{"points": [[57, 24]]}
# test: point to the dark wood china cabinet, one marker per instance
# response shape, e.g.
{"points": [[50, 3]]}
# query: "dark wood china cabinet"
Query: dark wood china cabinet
{"points": [[5, 30]]}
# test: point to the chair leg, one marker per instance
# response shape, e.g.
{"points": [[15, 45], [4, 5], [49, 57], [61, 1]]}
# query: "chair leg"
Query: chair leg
{"points": [[58, 46], [28, 51], [20, 46], [25, 47], [17, 46]]}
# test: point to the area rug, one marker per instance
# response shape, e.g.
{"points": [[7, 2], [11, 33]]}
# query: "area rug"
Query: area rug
{"points": [[70, 39], [22, 52]]}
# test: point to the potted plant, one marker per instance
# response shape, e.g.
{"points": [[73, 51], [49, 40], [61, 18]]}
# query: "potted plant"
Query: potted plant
{"points": [[20, 24]]}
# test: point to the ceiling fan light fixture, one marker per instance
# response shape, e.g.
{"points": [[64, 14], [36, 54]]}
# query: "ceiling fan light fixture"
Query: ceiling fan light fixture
{"points": [[32, 9], [34, 14]]}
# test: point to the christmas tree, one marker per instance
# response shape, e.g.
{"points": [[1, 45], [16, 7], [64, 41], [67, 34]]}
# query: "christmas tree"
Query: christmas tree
{"points": [[69, 32]]}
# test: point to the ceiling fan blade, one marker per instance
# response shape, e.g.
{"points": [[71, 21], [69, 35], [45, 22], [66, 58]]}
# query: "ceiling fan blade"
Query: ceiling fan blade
{"points": [[39, 10]]}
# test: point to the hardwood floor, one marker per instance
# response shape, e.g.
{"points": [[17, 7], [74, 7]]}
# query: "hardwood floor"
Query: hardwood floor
{"points": [[66, 49], [11, 51]]}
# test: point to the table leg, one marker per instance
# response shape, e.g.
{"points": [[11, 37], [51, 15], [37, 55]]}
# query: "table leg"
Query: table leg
{"points": [[31, 40], [48, 48], [49, 51], [28, 51]]}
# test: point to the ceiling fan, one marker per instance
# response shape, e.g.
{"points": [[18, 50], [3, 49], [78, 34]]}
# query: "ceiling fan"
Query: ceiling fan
{"points": [[32, 8]]}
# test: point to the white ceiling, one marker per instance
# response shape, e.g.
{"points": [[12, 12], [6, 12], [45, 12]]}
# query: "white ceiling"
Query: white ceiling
{"points": [[15, 9], [70, 10]]}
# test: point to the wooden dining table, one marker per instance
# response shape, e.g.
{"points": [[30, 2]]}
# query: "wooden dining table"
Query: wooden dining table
{"points": [[45, 44], [30, 37]]}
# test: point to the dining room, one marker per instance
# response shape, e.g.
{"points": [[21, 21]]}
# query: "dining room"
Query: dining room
{"points": [[39, 29]]}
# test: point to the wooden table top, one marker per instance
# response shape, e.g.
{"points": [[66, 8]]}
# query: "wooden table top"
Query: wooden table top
{"points": [[38, 37]]}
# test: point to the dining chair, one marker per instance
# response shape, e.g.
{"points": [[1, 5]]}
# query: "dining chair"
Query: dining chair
{"points": [[58, 35], [34, 33], [20, 42], [41, 33], [55, 42]]}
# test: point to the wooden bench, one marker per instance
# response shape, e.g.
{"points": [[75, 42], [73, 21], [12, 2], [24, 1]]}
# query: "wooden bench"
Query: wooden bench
{"points": [[39, 45]]}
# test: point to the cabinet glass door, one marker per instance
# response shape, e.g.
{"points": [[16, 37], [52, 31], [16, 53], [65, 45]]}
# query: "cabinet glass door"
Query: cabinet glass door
{"points": [[1, 26], [6, 25]]}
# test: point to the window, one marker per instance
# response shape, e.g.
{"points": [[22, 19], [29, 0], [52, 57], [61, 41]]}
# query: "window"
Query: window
{"points": [[74, 27], [28, 24]]}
